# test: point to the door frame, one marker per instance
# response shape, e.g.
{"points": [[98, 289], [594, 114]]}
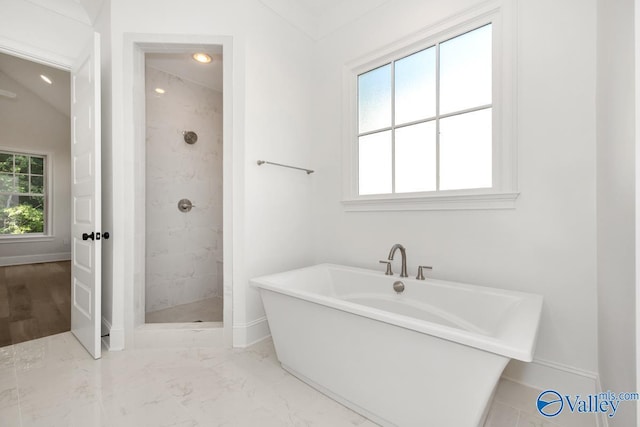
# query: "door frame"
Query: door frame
{"points": [[135, 46], [66, 64]]}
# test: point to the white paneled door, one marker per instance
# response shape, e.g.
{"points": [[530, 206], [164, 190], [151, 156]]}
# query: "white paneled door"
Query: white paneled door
{"points": [[86, 235]]}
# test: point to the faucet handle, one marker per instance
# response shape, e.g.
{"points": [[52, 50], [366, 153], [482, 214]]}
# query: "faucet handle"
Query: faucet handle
{"points": [[388, 272], [420, 276]]}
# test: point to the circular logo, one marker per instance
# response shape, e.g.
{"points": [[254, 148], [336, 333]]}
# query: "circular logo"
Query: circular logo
{"points": [[550, 403]]}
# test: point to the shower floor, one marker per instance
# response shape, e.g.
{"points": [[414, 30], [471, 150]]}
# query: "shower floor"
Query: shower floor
{"points": [[206, 310]]}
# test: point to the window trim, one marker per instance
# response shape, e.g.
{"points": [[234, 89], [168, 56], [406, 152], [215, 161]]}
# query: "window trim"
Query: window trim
{"points": [[48, 234], [503, 194]]}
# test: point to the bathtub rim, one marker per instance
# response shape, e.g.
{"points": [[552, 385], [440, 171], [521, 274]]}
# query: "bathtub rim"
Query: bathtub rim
{"points": [[517, 341]]}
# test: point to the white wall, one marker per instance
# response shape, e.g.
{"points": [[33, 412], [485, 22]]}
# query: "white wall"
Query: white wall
{"points": [[271, 116], [616, 202], [183, 249], [28, 123], [34, 30], [546, 245]]}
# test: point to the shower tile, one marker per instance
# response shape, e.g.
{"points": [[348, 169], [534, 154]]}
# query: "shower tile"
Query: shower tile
{"points": [[177, 250], [8, 393], [157, 244], [10, 416], [205, 264], [182, 265], [157, 295]]}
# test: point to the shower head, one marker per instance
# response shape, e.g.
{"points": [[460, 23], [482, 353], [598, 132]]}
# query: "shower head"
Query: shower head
{"points": [[190, 137]]}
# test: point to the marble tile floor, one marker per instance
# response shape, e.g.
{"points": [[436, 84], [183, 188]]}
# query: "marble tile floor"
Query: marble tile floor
{"points": [[53, 382], [206, 310]]}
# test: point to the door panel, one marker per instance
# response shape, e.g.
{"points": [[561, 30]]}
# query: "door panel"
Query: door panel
{"points": [[85, 188]]}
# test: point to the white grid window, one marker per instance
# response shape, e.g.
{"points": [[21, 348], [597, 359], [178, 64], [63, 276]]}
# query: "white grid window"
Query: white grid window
{"points": [[424, 120], [433, 119], [23, 201]]}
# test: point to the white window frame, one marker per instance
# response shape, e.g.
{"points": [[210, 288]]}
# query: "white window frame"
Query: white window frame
{"points": [[48, 234], [503, 193]]}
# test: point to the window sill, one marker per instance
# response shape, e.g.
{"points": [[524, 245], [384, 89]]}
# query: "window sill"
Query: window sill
{"points": [[485, 201], [26, 239]]}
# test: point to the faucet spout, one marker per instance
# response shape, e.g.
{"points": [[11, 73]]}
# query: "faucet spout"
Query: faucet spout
{"points": [[403, 252]]}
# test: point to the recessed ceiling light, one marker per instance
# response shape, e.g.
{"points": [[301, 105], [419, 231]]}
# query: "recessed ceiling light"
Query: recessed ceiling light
{"points": [[160, 90], [46, 79], [202, 58]]}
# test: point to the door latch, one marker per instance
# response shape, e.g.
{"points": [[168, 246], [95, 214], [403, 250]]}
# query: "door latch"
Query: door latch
{"points": [[95, 235]]}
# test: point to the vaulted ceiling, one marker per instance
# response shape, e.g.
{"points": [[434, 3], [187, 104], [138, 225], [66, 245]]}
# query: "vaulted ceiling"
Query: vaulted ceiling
{"points": [[319, 18], [316, 18], [27, 74]]}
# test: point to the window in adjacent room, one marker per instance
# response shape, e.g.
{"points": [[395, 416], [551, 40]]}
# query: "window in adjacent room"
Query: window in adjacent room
{"points": [[23, 200]]}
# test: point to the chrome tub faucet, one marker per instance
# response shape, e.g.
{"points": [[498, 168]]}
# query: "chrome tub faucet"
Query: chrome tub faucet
{"points": [[403, 252]]}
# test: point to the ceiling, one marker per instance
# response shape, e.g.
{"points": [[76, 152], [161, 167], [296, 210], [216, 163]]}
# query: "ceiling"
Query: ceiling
{"points": [[184, 66], [319, 18], [84, 11], [27, 74], [319, 7]]}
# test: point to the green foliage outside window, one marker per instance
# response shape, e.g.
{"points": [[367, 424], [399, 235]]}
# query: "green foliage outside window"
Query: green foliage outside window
{"points": [[21, 219]]}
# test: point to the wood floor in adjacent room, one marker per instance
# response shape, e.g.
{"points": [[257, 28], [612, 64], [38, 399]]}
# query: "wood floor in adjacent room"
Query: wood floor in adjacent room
{"points": [[35, 301]]}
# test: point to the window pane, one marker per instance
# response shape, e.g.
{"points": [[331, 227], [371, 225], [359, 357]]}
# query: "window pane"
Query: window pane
{"points": [[36, 202], [37, 185], [416, 158], [25, 217], [7, 182], [6, 162], [415, 85], [466, 151], [23, 183], [22, 164], [374, 99], [374, 172], [37, 165], [465, 71]]}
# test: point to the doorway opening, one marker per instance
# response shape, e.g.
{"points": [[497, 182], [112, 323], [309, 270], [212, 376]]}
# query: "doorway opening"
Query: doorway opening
{"points": [[183, 187], [35, 191]]}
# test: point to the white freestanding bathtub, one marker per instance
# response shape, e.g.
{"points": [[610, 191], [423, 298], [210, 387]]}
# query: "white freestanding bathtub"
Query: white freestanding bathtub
{"points": [[429, 356]]}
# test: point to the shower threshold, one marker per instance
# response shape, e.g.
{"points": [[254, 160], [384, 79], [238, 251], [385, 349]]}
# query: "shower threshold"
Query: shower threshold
{"points": [[200, 312]]}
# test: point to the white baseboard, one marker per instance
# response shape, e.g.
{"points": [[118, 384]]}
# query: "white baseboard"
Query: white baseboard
{"points": [[113, 338], [247, 334], [34, 259], [544, 375]]}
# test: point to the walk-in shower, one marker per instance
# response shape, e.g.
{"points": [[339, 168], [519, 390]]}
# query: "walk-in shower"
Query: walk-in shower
{"points": [[183, 188]]}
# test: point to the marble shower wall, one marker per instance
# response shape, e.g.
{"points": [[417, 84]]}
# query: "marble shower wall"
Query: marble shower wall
{"points": [[183, 250]]}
